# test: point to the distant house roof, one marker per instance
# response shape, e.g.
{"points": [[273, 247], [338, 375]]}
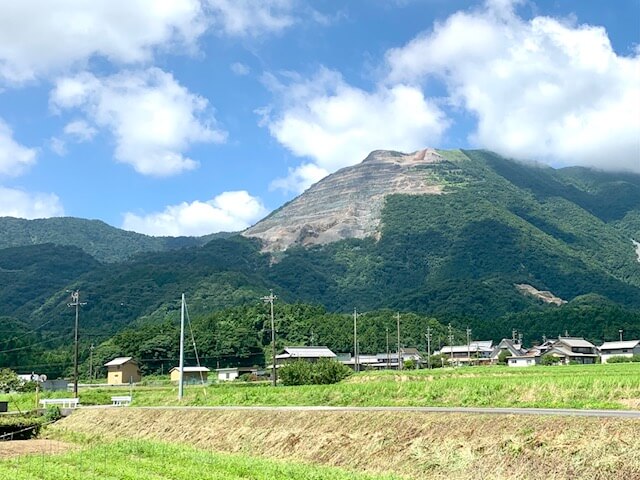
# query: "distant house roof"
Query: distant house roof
{"points": [[567, 353], [576, 342], [515, 349], [306, 352], [190, 369], [473, 347], [119, 361], [620, 345]]}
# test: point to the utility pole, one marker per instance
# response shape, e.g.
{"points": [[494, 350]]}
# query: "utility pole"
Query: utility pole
{"points": [[356, 363], [400, 365], [269, 299], [620, 332], [387, 328], [451, 342], [91, 363], [469, 345], [428, 335], [181, 363], [75, 302]]}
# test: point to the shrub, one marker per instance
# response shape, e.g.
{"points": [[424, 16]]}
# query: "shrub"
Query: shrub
{"points": [[9, 381], [502, 357], [323, 372], [550, 360], [622, 359], [410, 364]]}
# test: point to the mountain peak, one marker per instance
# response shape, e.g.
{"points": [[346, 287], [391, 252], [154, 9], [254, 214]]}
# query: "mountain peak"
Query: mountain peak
{"points": [[348, 203]]}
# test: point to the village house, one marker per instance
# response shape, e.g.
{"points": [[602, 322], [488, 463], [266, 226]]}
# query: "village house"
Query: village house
{"points": [[123, 370], [626, 348], [476, 352], [308, 354], [573, 350], [189, 374], [526, 360], [511, 347]]}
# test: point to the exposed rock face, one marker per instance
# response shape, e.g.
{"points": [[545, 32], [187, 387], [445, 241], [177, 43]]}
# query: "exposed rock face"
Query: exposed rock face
{"points": [[545, 295], [348, 203]]}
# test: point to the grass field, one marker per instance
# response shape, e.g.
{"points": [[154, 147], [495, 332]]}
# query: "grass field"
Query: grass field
{"points": [[149, 460], [433, 446], [615, 386]]}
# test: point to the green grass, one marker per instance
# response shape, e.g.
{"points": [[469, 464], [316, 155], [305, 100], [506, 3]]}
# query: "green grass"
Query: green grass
{"points": [[580, 386], [147, 460]]}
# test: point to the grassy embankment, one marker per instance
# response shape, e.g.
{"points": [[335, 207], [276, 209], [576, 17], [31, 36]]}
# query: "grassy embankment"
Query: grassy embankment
{"points": [[411, 445], [152, 460], [581, 386]]}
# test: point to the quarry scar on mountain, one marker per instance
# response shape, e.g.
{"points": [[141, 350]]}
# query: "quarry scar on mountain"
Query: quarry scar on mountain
{"points": [[348, 203]]}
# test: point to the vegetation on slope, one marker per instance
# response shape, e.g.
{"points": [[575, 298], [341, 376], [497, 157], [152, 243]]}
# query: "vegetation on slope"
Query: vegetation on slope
{"points": [[455, 257]]}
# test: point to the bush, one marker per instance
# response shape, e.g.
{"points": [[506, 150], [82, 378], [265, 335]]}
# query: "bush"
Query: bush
{"points": [[9, 381], [550, 360], [323, 372], [502, 357], [622, 359], [410, 364]]}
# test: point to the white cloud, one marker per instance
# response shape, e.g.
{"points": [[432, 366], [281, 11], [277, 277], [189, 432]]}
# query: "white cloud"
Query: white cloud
{"points": [[229, 211], [299, 178], [542, 89], [14, 158], [240, 69], [152, 117], [80, 130], [251, 17], [58, 146], [39, 37], [21, 204], [336, 125]]}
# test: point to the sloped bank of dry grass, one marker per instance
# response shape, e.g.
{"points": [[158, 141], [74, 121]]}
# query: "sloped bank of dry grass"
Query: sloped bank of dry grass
{"points": [[415, 445]]}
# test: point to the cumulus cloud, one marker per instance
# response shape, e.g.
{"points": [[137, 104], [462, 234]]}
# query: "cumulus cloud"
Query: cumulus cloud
{"points": [[229, 211], [38, 38], [240, 69], [18, 203], [80, 130], [335, 124], [251, 17], [152, 118], [543, 89], [14, 158]]}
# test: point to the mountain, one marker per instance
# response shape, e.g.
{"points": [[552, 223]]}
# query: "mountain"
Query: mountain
{"points": [[349, 203], [102, 241], [464, 236]]}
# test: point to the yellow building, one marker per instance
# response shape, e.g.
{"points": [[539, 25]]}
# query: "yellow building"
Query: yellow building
{"points": [[190, 374], [122, 370]]}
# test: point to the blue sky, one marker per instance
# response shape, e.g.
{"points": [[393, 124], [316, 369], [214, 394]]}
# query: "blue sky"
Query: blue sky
{"points": [[194, 116]]}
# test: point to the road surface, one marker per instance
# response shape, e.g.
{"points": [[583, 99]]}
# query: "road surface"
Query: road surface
{"points": [[472, 410]]}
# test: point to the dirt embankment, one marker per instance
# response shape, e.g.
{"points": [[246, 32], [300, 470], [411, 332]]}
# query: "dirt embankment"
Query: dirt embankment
{"points": [[16, 448], [416, 445]]}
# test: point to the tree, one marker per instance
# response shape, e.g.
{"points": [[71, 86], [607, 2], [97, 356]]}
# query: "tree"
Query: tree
{"points": [[9, 380], [502, 357]]}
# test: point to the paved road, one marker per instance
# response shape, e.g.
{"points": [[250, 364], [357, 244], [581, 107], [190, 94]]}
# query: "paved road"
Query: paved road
{"points": [[472, 410]]}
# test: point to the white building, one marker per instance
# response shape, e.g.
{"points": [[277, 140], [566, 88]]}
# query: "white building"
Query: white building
{"points": [[524, 361], [308, 354], [626, 348]]}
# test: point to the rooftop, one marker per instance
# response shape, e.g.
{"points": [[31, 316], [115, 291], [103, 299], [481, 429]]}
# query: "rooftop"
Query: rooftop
{"points": [[118, 361], [619, 345]]}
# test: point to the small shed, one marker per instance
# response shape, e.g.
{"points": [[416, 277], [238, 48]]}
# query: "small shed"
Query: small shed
{"points": [[189, 374], [231, 373], [123, 370]]}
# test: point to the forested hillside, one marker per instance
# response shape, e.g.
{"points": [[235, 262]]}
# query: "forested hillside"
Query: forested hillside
{"points": [[102, 241], [454, 257]]}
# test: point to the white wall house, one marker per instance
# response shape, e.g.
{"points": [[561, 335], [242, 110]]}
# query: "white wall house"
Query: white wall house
{"points": [[627, 348], [523, 361]]}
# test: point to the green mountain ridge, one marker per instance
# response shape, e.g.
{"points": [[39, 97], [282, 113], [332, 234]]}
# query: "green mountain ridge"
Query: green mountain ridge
{"points": [[102, 241], [455, 256]]}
